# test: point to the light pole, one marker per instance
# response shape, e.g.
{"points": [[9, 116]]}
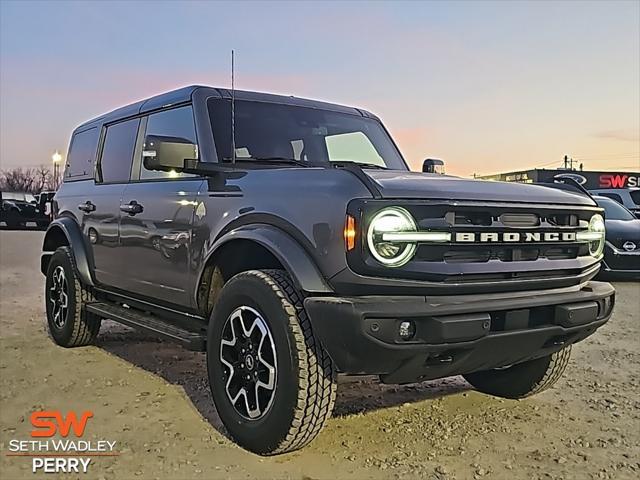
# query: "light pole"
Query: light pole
{"points": [[57, 158]]}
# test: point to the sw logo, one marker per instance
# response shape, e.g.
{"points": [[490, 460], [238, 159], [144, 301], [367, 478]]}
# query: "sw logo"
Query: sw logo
{"points": [[52, 421], [618, 181], [60, 455]]}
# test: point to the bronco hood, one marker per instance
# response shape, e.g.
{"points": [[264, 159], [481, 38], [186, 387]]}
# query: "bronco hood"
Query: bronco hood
{"points": [[397, 184]]}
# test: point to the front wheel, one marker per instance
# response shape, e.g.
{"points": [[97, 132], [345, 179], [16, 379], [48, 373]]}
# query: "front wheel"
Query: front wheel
{"points": [[273, 383], [523, 379]]}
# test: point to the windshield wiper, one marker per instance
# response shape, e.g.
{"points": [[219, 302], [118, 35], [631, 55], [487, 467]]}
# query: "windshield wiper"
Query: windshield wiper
{"points": [[285, 160], [340, 163]]}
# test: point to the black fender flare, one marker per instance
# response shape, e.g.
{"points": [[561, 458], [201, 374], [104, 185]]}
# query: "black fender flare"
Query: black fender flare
{"points": [[73, 234], [295, 259]]}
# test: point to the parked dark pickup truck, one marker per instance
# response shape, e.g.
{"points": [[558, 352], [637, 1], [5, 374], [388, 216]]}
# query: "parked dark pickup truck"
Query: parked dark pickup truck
{"points": [[291, 242], [17, 209]]}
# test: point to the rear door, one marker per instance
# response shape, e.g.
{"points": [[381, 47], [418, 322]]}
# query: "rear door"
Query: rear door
{"points": [[157, 212], [100, 205]]}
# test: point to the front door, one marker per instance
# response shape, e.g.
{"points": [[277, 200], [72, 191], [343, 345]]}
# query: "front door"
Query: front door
{"points": [[157, 213]]}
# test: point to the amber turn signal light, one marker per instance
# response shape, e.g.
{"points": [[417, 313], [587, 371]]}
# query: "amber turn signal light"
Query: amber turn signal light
{"points": [[350, 233]]}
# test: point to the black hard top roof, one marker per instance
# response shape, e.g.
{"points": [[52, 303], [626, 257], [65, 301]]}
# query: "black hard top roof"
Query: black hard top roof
{"points": [[185, 94]]}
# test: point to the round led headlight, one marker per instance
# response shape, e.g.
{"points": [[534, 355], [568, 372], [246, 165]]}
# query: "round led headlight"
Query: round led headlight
{"points": [[596, 227], [391, 252]]}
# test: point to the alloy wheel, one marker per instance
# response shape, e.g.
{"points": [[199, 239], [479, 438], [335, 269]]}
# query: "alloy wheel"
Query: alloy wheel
{"points": [[59, 297], [248, 356]]}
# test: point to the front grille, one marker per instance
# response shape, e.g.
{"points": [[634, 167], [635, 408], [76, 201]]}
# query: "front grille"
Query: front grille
{"points": [[500, 220], [520, 220], [475, 254], [509, 243]]}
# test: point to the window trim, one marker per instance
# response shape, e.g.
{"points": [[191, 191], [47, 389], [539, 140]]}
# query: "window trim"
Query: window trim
{"points": [[136, 163]]}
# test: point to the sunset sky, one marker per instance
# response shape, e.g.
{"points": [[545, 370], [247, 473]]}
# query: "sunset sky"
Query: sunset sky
{"points": [[487, 86]]}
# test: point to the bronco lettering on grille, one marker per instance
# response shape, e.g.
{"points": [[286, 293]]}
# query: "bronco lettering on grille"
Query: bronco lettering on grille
{"points": [[515, 237]]}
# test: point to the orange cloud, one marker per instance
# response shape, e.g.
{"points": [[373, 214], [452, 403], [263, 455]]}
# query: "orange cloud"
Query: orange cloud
{"points": [[627, 135]]}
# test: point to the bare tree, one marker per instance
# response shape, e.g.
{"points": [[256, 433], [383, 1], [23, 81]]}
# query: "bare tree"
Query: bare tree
{"points": [[31, 180], [45, 178]]}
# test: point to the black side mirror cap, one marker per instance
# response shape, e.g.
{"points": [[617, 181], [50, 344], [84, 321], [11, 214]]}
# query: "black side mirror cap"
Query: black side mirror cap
{"points": [[433, 165]]}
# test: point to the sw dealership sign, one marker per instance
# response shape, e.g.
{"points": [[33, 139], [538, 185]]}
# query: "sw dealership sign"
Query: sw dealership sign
{"points": [[592, 180], [618, 180]]}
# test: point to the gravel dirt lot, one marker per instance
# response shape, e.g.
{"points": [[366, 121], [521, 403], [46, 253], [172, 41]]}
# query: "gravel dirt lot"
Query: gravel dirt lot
{"points": [[152, 398]]}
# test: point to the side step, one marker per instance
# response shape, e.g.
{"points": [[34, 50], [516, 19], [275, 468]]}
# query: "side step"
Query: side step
{"points": [[194, 341]]}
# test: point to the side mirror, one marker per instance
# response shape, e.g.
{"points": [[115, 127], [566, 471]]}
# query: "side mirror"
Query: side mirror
{"points": [[167, 153], [433, 165]]}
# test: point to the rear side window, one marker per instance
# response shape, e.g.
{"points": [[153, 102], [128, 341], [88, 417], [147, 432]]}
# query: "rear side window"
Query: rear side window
{"points": [[82, 154], [613, 196], [117, 152], [635, 196]]}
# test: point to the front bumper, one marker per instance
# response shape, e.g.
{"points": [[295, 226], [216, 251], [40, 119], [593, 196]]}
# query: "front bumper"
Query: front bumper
{"points": [[454, 334]]}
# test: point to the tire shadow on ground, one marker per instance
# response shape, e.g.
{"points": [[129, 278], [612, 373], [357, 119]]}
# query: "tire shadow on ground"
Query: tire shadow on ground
{"points": [[188, 370]]}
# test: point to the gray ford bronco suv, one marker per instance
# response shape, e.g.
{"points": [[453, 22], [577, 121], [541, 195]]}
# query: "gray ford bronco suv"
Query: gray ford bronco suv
{"points": [[288, 239]]}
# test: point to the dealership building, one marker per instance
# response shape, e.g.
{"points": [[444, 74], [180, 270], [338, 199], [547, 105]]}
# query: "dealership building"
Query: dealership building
{"points": [[590, 179]]}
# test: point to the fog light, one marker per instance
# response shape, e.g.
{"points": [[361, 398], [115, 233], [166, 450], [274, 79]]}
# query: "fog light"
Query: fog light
{"points": [[407, 330], [608, 305]]}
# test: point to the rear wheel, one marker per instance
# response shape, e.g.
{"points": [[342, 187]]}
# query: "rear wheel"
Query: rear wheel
{"points": [[272, 382], [523, 379], [70, 325]]}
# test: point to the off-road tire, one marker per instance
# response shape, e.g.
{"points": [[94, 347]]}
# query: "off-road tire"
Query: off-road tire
{"points": [[80, 327], [306, 378], [523, 379]]}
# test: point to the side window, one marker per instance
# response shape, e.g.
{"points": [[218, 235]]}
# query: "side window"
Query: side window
{"points": [[172, 135], [353, 146], [117, 152], [82, 153], [613, 196]]}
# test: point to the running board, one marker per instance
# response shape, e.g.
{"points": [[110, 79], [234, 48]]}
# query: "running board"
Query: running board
{"points": [[190, 340]]}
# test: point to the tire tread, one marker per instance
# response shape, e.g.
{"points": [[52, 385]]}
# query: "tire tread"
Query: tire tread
{"points": [[316, 375], [86, 325]]}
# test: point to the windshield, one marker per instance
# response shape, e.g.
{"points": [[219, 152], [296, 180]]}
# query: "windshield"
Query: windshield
{"points": [[273, 131], [22, 197], [613, 210]]}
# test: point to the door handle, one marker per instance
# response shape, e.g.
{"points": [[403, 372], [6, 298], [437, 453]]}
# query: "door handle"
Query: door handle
{"points": [[132, 208], [87, 207]]}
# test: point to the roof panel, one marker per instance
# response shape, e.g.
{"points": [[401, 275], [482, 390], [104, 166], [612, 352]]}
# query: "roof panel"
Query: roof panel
{"points": [[184, 94]]}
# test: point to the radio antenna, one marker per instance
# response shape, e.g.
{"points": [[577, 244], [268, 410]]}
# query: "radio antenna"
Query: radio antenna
{"points": [[233, 112]]}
